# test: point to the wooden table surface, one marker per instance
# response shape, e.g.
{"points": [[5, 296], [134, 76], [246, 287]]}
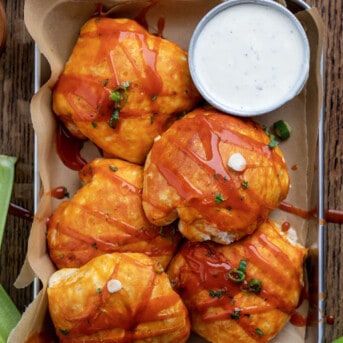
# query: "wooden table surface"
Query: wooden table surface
{"points": [[17, 139]]}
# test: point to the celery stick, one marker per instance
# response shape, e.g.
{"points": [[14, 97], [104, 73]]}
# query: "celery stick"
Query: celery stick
{"points": [[7, 164], [9, 315]]}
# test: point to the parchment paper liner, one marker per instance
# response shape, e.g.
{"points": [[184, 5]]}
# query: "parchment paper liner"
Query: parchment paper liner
{"points": [[54, 25]]}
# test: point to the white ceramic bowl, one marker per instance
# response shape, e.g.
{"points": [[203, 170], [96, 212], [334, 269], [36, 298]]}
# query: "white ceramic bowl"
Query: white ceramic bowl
{"points": [[249, 57]]}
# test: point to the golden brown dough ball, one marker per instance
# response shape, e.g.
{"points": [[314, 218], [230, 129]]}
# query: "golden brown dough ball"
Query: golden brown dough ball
{"points": [[118, 297], [123, 86], [244, 292], [216, 173], [105, 216]]}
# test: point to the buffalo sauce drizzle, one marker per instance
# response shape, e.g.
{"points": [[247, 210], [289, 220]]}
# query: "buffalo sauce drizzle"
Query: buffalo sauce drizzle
{"points": [[207, 270], [330, 215], [210, 134], [123, 233], [69, 148], [148, 308], [88, 94]]}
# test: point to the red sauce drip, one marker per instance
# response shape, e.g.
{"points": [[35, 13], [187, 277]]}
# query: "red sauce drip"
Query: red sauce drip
{"points": [[209, 133], [331, 216], [20, 212], [160, 26], [334, 216], [69, 148], [294, 167], [59, 192], [298, 319], [141, 18], [295, 210], [98, 10], [285, 226], [330, 320]]}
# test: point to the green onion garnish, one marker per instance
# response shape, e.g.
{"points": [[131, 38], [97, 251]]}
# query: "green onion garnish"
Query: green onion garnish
{"points": [[254, 285], [236, 275]]}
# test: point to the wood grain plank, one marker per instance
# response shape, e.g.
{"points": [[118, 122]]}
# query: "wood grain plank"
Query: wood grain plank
{"points": [[17, 137], [332, 15]]}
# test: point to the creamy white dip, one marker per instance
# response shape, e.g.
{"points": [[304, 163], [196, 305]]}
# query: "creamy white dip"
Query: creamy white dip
{"points": [[249, 57]]}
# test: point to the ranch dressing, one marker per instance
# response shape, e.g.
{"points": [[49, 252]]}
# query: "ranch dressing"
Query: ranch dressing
{"points": [[249, 58]]}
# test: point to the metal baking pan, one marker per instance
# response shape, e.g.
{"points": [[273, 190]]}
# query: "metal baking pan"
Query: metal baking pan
{"points": [[315, 239]]}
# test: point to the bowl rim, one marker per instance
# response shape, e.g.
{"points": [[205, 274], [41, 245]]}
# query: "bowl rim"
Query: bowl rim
{"points": [[296, 88]]}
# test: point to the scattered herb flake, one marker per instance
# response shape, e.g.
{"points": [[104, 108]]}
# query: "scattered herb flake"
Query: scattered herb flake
{"points": [[114, 118], [259, 332], [216, 294], [242, 265], [245, 184], [236, 314], [273, 142], [154, 97], [94, 124], [105, 82], [113, 168], [119, 96], [218, 199], [64, 331]]}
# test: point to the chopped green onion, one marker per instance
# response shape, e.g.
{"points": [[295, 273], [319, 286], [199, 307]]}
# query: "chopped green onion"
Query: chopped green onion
{"points": [[259, 332], [236, 275], [113, 168], [120, 96], [235, 314], [114, 118], [116, 96], [216, 294], [63, 331], [254, 285], [282, 129], [242, 265], [245, 184], [273, 142], [218, 199]]}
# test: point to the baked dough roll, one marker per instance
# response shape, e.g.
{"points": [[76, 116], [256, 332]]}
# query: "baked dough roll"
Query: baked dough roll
{"points": [[123, 86], [217, 173], [119, 297], [244, 292], [105, 216]]}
